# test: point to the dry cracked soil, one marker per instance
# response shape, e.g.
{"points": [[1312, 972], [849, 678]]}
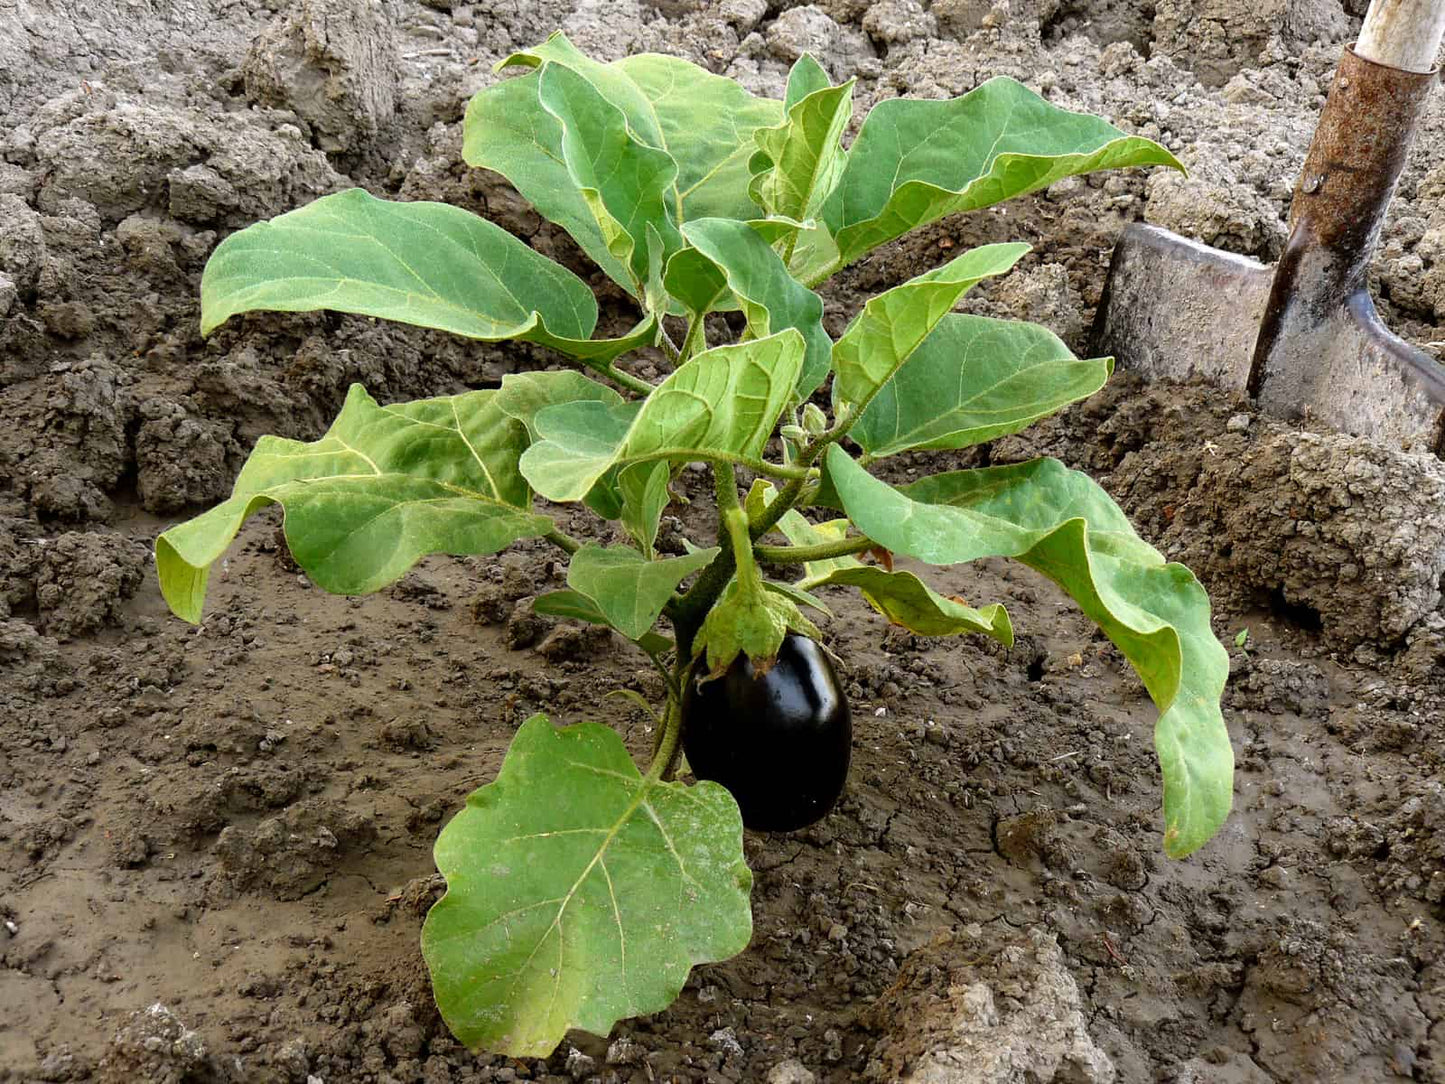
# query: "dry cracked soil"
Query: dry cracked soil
{"points": [[215, 841]]}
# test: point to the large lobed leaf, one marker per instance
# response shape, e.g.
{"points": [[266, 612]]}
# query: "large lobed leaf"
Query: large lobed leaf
{"points": [[901, 597], [799, 162], [915, 160], [628, 588], [907, 601], [1061, 523], [974, 379], [624, 182], [579, 892], [705, 122], [427, 264], [508, 130], [383, 488], [770, 297], [895, 323], [702, 122], [724, 402]]}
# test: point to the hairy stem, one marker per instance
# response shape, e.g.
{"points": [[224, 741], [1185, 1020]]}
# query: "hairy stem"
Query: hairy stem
{"points": [[669, 738], [788, 496], [822, 551], [812, 282], [752, 463], [674, 690], [632, 383], [666, 345], [688, 611], [696, 340], [563, 541]]}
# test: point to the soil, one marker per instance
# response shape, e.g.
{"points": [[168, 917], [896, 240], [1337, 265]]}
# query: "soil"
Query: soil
{"points": [[215, 842]]}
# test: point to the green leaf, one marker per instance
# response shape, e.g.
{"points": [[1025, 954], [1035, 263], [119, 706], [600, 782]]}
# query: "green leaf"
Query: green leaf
{"points": [[579, 892], [697, 283], [507, 130], [384, 487], [604, 498], [906, 600], [915, 161], [420, 263], [645, 495], [895, 323], [654, 297], [575, 606], [797, 594], [572, 605], [623, 181], [1059, 522], [805, 77], [800, 532], [705, 122], [799, 162], [812, 251], [627, 587], [771, 298], [972, 380], [576, 447], [724, 402], [523, 395], [471, 426]]}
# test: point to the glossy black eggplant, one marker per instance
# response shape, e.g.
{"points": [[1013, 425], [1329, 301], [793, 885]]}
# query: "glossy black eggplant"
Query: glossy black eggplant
{"points": [[780, 742]]}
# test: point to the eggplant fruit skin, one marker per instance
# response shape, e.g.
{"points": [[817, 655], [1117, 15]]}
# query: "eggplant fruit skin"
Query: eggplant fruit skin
{"points": [[780, 743]]}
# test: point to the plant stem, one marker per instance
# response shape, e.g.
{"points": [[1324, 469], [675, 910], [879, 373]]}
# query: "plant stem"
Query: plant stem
{"points": [[750, 579], [564, 542], [666, 345], [814, 281], [726, 485], [822, 551], [627, 380], [788, 496], [668, 740], [696, 339], [752, 463], [686, 612], [674, 691]]}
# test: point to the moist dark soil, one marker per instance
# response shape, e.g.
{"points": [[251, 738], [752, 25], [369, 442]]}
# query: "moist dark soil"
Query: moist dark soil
{"points": [[215, 842]]}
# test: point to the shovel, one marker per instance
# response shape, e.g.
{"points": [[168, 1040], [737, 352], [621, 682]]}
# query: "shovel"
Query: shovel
{"points": [[1303, 337]]}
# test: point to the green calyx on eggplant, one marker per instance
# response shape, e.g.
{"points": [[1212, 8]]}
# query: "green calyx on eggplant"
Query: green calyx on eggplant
{"points": [[779, 741]]}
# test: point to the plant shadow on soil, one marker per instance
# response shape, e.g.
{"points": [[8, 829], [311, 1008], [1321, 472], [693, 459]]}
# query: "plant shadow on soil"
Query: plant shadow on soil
{"points": [[215, 842]]}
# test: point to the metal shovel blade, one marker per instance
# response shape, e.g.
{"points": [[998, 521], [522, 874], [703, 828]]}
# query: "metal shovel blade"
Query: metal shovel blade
{"points": [[1178, 310], [1301, 337], [1175, 309]]}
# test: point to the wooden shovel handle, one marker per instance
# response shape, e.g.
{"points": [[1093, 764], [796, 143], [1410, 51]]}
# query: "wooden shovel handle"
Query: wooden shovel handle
{"points": [[1404, 34]]}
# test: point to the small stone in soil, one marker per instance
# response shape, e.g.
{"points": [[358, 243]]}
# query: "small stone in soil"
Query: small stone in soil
{"points": [[791, 1071]]}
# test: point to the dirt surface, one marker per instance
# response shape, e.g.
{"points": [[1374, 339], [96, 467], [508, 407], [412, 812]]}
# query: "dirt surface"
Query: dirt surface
{"points": [[215, 842]]}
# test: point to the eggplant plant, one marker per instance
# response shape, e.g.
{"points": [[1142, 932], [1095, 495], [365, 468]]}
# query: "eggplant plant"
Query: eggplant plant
{"points": [[580, 888]]}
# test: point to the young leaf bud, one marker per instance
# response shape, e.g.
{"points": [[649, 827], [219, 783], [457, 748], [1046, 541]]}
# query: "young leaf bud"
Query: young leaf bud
{"points": [[814, 420]]}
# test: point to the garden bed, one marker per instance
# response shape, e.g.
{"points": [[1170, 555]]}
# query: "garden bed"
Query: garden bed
{"points": [[215, 842]]}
